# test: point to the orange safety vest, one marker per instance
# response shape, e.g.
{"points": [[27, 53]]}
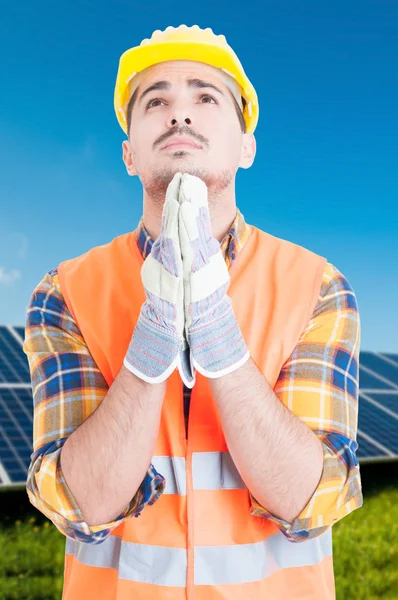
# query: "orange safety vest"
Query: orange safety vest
{"points": [[199, 540]]}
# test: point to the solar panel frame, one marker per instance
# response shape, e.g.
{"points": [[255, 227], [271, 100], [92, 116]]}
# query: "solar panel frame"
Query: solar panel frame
{"points": [[20, 331]]}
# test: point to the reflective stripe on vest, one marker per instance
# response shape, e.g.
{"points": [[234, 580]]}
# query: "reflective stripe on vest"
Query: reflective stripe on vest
{"points": [[210, 471], [214, 565]]}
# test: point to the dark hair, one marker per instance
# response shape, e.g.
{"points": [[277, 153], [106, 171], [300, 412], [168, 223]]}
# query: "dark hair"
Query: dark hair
{"points": [[239, 112], [237, 108]]}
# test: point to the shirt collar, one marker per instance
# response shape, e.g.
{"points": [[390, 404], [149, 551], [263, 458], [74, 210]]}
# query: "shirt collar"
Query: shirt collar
{"points": [[231, 244]]}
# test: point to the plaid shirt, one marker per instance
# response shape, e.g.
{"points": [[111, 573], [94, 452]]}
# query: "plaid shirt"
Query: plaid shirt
{"points": [[67, 387]]}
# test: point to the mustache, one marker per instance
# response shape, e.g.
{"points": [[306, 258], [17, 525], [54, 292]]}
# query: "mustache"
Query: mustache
{"points": [[181, 131]]}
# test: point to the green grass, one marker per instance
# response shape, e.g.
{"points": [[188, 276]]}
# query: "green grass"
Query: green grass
{"points": [[365, 549], [31, 561], [364, 545]]}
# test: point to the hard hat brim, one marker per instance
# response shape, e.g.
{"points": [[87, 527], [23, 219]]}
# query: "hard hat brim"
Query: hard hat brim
{"points": [[137, 59]]}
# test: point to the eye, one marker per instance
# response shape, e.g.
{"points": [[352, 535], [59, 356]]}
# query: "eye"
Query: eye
{"points": [[208, 96], [150, 103]]}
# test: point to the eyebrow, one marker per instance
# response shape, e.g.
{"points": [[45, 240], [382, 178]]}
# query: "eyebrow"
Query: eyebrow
{"points": [[192, 83]]}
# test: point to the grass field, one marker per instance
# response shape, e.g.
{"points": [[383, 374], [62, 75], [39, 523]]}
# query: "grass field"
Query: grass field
{"points": [[365, 546]]}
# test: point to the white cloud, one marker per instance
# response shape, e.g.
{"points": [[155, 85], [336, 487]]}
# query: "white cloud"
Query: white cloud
{"points": [[8, 277]]}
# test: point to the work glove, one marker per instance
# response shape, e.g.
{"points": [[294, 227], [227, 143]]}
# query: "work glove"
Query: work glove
{"points": [[216, 343], [158, 344]]}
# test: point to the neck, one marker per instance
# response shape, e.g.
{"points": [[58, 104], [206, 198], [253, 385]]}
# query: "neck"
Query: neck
{"points": [[222, 210]]}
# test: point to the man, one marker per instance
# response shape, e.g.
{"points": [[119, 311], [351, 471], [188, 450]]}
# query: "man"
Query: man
{"points": [[197, 373]]}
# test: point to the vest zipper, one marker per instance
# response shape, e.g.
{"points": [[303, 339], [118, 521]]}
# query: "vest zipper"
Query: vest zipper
{"points": [[186, 402], [190, 589]]}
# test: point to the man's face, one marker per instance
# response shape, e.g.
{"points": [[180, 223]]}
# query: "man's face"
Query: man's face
{"points": [[184, 108]]}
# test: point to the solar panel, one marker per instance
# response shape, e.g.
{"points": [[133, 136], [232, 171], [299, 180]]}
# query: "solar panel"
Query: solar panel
{"points": [[13, 364], [387, 400], [20, 331], [378, 407], [377, 419], [368, 380], [381, 366], [16, 408]]}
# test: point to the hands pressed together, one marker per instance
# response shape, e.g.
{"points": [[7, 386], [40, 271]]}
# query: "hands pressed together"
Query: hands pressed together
{"points": [[187, 319]]}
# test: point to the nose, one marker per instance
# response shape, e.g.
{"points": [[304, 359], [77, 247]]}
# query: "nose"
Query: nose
{"points": [[178, 112], [173, 121]]}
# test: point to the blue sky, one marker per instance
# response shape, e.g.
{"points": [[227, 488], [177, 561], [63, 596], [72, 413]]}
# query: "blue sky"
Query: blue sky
{"points": [[325, 175]]}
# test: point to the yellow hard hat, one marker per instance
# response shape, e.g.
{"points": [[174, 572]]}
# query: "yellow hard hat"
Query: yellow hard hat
{"points": [[183, 43]]}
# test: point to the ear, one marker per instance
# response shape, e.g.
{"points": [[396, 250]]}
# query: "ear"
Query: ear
{"points": [[248, 150], [128, 158]]}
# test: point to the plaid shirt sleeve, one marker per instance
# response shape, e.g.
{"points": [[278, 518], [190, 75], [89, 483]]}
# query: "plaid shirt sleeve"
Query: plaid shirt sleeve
{"points": [[67, 387], [319, 384]]}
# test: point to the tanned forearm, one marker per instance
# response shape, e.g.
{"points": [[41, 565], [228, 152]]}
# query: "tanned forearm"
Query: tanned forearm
{"points": [[106, 458], [279, 458]]}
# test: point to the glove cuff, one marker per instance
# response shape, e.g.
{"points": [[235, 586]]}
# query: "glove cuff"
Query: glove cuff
{"points": [[153, 353], [217, 346]]}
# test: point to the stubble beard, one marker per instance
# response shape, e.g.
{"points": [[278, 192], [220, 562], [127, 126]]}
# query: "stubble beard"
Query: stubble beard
{"points": [[155, 185]]}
